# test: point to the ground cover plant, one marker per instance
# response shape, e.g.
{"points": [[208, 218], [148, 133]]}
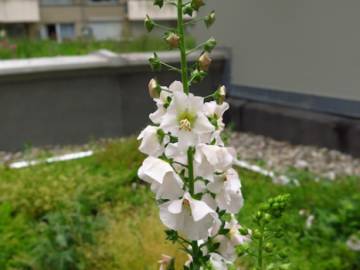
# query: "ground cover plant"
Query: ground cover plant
{"points": [[94, 213], [25, 48]]}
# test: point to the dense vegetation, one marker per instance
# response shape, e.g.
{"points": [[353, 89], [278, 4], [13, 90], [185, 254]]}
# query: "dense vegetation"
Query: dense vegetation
{"points": [[94, 214], [24, 48]]}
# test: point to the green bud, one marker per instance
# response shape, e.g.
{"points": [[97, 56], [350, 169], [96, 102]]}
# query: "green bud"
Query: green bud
{"points": [[171, 235], [210, 19], [188, 10], [268, 247], [149, 23], [242, 249], [155, 63], [243, 231], [285, 266], [197, 4], [159, 3], [160, 134], [256, 234], [198, 75], [210, 44], [282, 254], [259, 215], [267, 217]]}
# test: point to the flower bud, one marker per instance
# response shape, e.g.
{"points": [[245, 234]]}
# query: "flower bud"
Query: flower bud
{"points": [[197, 4], [268, 247], [155, 63], [210, 19], [149, 23], [165, 262], [197, 75], [220, 95], [267, 217], [242, 249], [154, 88], [188, 10], [256, 234], [210, 44], [159, 3], [243, 231], [173, 40], [204, 61]]}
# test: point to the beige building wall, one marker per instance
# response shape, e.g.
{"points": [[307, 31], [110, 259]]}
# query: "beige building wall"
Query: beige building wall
{"points": [[19, 11], [307, 46], [81, 15]]}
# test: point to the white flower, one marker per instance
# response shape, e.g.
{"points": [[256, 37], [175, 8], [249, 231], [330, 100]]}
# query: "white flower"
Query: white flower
{"points": [[353, 243], [218, 262], [185, 119], [156, 116], [210, 159], [216, 112], [188, 216], [227, 188], [165, 262], [164, 181], [150, 142], [229, 242]]}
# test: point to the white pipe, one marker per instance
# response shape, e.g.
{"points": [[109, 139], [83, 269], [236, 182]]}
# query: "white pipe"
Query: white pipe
{"points": [[71, 156], [282, 179]]}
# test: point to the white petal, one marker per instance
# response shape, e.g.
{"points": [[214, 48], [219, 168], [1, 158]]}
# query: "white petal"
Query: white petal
{"points": [[202, 125], [154, 169], [199, 209], [170, 220], [176, 86], [150, 144], [171, 188]]}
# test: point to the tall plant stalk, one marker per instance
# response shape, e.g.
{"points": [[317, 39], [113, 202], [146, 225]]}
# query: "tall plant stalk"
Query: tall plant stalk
{"points": [[182, 46]]}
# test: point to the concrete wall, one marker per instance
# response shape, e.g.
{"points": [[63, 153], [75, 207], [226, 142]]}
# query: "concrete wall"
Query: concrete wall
{"points": [[69, 100], [308, 47]]}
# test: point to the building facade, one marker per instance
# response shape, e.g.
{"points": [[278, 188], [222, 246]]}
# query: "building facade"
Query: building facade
{"points": [[19, 17], [70, 19]]}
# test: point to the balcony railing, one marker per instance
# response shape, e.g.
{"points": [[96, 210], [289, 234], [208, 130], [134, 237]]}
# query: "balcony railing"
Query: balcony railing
{"points": [[19, 11], [138, 9]]}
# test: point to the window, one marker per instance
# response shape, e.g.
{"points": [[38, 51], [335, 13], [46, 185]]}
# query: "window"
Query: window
{"points": [[105, 30], [102, 1], [56, 2], [59, 32]]}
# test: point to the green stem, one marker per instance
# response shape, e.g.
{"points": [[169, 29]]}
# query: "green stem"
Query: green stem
{"points": [[170, 67], [190, 158], [260, 249], [180, 26]]}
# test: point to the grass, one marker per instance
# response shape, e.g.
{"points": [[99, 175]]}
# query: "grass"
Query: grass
{"points": [[93, 213], [40, 48]]}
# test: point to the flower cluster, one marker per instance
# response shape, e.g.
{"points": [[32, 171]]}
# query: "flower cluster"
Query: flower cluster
{"points": [[190, 171]]}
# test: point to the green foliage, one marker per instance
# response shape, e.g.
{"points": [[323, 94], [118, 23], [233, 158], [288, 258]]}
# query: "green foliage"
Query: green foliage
{"points": [[24, 48], [335, 207], [94, 214]]}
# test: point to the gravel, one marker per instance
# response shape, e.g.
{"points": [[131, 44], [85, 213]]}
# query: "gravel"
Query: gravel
{"points": [[270, 154], [279, 156]]}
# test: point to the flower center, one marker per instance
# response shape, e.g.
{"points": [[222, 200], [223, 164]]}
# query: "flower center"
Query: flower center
{"points": [[186, 205], [232, 233], [186, 120], [185, 125]]}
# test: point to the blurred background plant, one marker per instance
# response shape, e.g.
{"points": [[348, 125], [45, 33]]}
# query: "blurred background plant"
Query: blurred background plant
{"points": [[94, 214], [25, 48]]}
